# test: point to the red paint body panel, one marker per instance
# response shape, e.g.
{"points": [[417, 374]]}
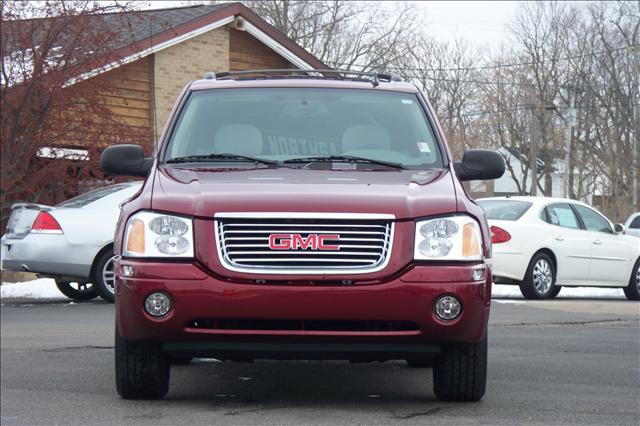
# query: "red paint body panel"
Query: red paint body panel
{"points": [[410, 297], [407, 194]]}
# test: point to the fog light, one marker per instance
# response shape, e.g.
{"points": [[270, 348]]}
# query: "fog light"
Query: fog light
{"points": [[448, 308], [127, 270], [157, 304]]}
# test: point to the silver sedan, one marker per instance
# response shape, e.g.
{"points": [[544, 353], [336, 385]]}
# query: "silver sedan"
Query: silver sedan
{"points": [[71, 242]]}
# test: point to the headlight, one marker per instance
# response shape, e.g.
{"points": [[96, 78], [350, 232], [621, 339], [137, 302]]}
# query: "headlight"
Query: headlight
{"points": [[448, 238], [158, 235]]}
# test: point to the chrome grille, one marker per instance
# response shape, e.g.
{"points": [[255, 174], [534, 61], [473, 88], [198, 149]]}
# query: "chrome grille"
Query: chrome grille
{"points": [[323, 244]]}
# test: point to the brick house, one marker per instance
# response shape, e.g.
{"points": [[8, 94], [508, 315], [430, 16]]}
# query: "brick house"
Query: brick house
{"points": [[174, 46]]}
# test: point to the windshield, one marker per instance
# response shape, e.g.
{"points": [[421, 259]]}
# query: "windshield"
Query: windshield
{"points": [[285, 123], [504, 209]]}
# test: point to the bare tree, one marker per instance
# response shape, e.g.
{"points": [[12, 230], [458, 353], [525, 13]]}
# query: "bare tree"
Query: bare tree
{"points": [[45, 108], [446, 72], [343, 34], [607, 75], [505, 120]]}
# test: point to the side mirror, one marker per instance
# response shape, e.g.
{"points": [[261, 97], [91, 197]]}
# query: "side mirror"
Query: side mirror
{"points": [[619, 228], [479, 164], [127, 160]]}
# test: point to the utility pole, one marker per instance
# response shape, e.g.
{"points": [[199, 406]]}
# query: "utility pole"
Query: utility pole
{"points": [[533, 153], [567, 146], [636, 134]]}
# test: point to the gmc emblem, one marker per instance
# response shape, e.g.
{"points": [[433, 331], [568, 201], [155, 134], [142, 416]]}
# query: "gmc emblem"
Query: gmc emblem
{"points": [[298, 242]]}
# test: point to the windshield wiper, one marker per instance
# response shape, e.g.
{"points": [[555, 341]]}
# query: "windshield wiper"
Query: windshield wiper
{"points": [[344, 159], [219, 157]]}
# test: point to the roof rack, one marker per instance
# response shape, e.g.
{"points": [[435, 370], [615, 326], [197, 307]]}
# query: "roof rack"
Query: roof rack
{"points": [[336, 74]]}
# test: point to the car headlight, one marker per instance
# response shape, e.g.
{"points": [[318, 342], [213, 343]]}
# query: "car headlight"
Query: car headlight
{"points": [[158, 235], [448, 238]]}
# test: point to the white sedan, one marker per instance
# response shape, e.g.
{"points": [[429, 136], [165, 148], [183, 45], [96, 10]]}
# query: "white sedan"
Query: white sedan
{"points": [[71, 242], [542, 244]]}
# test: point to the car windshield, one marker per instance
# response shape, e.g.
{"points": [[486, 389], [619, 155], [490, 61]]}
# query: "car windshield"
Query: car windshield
{"points": [[281, 124], [504, 209]]}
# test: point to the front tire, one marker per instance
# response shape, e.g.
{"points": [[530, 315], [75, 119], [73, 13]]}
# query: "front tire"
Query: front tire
{"points": [[460, 372], [632, 291], [540, 278], [555, 291], [77, 291], [104, 276], [142, 369]]}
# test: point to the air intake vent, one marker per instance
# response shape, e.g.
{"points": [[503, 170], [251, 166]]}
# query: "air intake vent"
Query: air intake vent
{"points": [[302, 325]]}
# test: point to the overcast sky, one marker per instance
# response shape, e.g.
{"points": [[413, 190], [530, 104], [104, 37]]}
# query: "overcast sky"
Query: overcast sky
{"points": [[482, 22]]}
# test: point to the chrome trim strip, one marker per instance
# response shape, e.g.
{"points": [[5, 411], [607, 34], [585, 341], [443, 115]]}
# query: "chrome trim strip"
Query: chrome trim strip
{"points": [[301, 224], [303, 215], [46, 231], [615, 259]]}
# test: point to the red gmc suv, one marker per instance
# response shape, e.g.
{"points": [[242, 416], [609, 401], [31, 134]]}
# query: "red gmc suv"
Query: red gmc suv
{"points": [[291, 214]]}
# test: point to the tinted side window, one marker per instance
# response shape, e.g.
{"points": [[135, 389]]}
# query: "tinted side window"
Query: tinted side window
{"points": [[562, 215], [593, 221], [635, 223], [544, 215]]}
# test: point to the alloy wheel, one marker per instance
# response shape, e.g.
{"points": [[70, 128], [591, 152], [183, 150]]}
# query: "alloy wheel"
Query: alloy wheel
{"points": [[108, 275], [542, 276], [638, 278]]}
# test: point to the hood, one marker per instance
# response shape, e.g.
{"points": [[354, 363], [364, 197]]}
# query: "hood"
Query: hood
{"points": [[406, 194]]}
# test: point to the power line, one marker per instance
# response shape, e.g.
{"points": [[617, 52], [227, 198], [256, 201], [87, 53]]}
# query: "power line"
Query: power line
{"points": [[530, 106], [498, 83], [510, 65]]}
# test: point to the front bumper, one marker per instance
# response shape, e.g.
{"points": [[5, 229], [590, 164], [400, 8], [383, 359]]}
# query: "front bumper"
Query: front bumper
{"points": [[47, 254], [195, 294]]}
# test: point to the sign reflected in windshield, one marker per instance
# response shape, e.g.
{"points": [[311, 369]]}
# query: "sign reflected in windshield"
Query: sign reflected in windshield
{"points": [[278, 144]]}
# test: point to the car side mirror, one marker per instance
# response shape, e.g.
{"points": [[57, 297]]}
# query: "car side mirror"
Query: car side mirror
{"points": [[619, 228], [127, 160], [479, 164]]}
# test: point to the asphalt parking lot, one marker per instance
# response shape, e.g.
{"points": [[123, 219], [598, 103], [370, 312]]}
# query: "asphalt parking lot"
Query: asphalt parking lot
{"points": [[569, 361]]}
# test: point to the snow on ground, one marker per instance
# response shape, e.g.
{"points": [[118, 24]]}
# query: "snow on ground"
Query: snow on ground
{"points": [[513, 292], [45, 288]]}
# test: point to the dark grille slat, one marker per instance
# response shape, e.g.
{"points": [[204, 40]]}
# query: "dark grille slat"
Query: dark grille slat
{"points": [[259, 259], [236, 254], [299, 231], [362, 244]]}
